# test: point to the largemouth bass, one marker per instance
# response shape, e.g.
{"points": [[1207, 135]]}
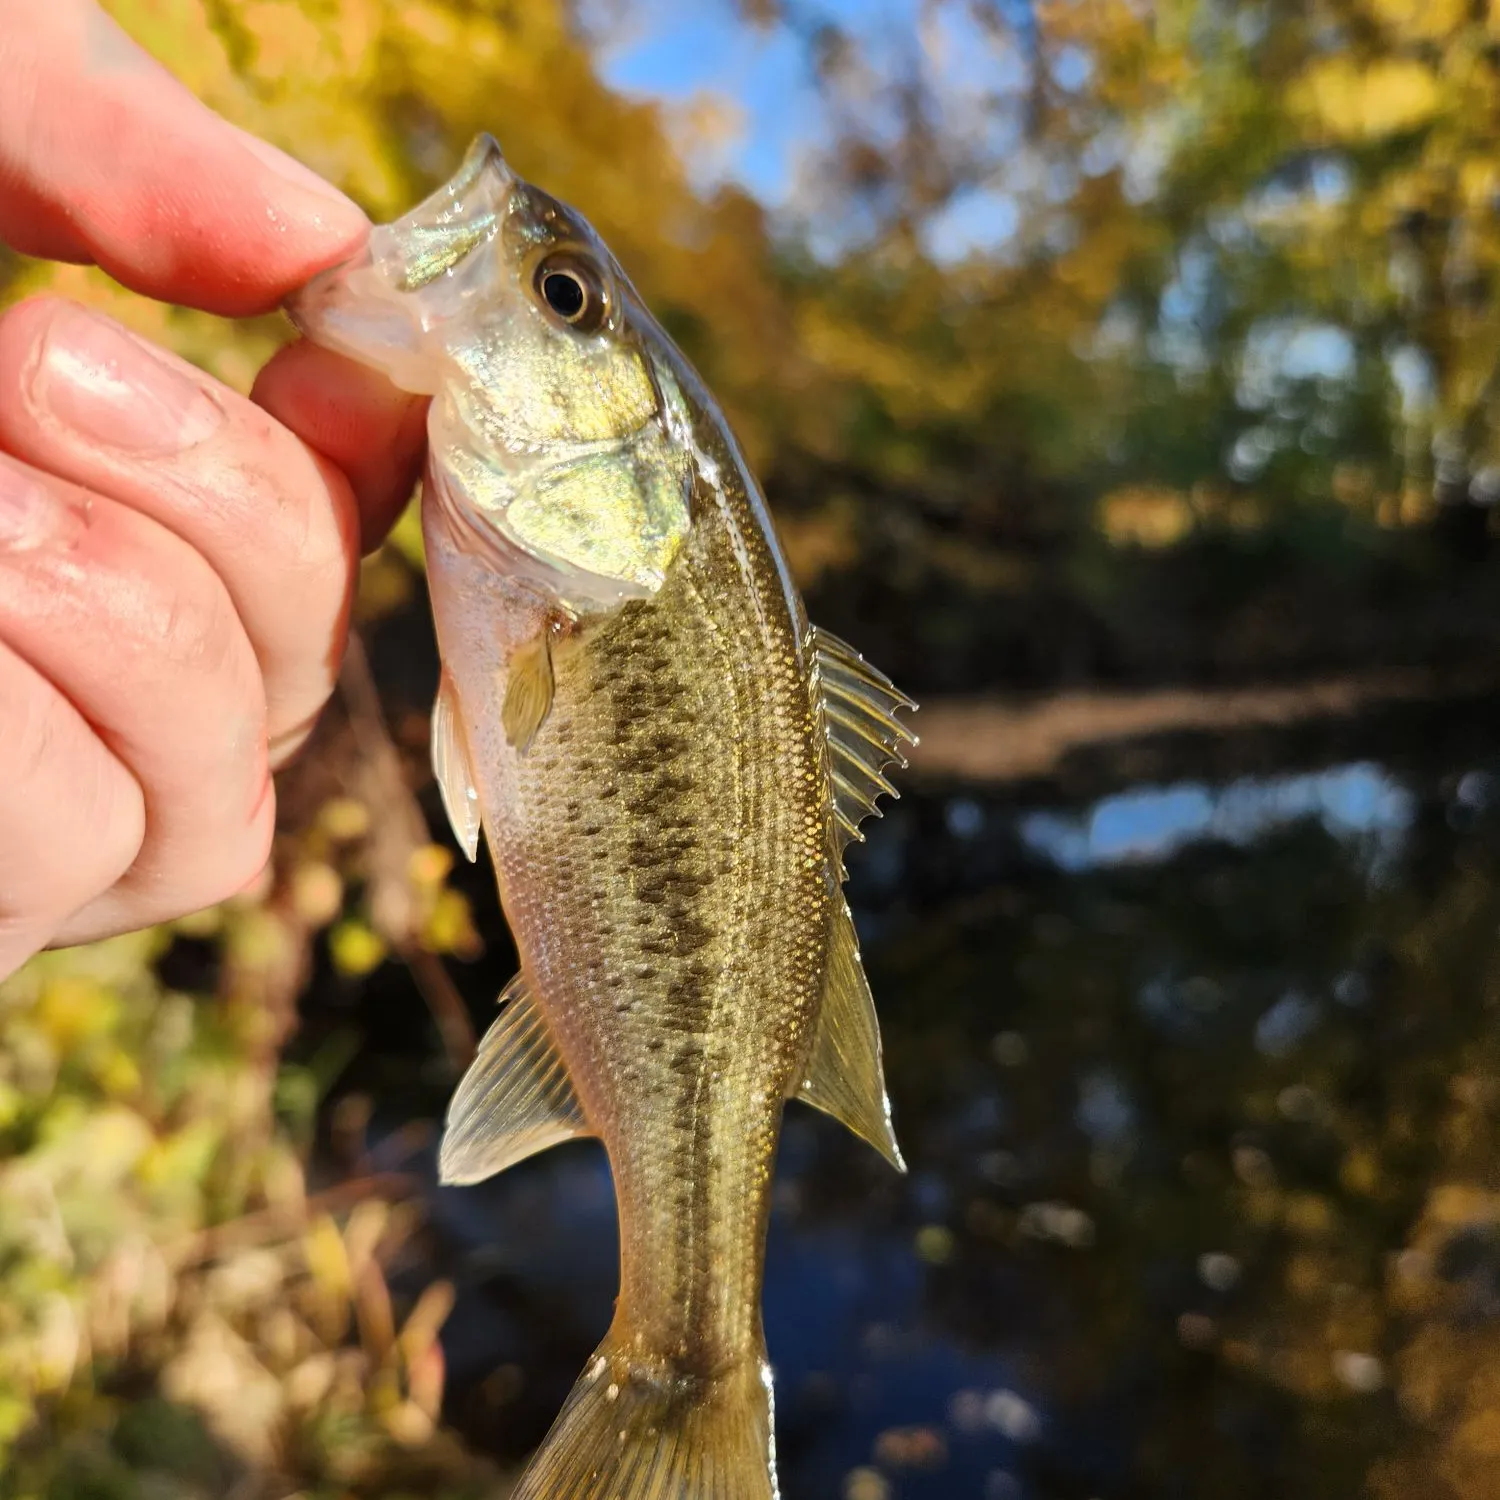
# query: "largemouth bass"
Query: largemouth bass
{"points": [[667, 762]]}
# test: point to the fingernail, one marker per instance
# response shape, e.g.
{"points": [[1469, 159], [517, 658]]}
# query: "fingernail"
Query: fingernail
{"points": [[30, 515], [116, 390], [287, 742], [337, 211]]}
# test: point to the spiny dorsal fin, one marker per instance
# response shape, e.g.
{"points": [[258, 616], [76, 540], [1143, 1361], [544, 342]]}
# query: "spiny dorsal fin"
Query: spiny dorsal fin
{"points": [[864, 735], [844, 1075], [515, 1100], [450, 764], [528, 691]]}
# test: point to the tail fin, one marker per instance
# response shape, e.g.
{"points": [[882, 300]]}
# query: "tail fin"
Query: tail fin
{"points": [[637, 1431]]}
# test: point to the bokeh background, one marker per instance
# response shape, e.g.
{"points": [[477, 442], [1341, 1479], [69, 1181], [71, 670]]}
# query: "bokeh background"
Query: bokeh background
{"points": [[1123, 378]]}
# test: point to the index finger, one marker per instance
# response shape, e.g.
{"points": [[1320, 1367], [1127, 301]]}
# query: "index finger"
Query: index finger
{"points": [[105, 157]]}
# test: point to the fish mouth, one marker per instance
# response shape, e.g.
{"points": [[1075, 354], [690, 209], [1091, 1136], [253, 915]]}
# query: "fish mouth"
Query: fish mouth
{"points": [[386, 306]]}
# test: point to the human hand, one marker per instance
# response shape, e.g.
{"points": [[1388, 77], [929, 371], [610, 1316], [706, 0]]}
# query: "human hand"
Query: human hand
{"points": [[176, 564]]}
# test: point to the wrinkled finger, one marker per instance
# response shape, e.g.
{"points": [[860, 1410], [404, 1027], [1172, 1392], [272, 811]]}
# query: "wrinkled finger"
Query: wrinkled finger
{"points": [[376, 434], [105, 157], [129, 624], [72, 818], [81, 397]]}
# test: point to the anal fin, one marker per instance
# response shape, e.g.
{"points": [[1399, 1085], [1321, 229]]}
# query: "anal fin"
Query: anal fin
{"points": [[450, 764], [845, 1075], [515, 1100]]}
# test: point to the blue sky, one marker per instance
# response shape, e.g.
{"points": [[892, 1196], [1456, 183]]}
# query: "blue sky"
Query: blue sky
{"points": [[674, 49]]}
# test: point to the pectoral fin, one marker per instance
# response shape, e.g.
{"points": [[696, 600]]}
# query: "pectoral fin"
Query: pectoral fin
{"points": [[845, 1077], [528, 692], [859, 704], [515, 1100], [450, 764]]}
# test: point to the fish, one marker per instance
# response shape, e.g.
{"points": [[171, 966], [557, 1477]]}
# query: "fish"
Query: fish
{"points": [[667, 762]]}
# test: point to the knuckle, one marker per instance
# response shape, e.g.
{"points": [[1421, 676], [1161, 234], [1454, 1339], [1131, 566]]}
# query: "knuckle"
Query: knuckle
{"points": [[308, 520], [260, 836], [193, 628], [247, 850], [115, 815], [198, 632], [34, 727], [20, 938], [323, 545], [52, 757]]}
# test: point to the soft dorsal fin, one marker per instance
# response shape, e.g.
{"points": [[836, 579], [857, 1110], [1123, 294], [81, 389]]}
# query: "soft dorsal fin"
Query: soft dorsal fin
{"points": [[859, 705], [528, 693], [845, 1077], [450, 764], [515, 1100]]}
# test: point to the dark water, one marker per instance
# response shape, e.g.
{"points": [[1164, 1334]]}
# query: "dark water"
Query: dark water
{"points": [[1198, 1075]]}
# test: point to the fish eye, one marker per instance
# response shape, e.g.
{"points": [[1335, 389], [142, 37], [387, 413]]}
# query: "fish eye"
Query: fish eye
{"points": [[573, 290]]}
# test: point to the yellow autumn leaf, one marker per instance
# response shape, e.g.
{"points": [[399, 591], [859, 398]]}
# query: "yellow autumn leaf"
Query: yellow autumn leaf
{"points": [[1425, 19], [328, 1258], [1349, 103], [356, 949], [73, 1010], [1144, 515]]}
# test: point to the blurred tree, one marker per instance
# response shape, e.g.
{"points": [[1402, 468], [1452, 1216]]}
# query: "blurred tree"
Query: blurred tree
{"points": [[1270, 227]]}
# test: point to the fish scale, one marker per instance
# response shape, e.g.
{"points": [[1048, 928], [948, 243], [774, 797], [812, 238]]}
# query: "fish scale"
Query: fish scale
{"points": [[667, 763], [718, 782]]}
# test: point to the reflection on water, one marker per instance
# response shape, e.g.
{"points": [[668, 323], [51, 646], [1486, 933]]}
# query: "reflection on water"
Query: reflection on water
{"points": [[1155, 822], [1199, 1086]]}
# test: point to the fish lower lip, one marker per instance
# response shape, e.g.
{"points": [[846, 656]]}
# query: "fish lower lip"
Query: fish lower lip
{"points": [[351, 309], [306, 307]]}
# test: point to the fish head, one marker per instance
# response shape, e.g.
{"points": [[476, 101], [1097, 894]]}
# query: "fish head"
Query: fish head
{"points": [[556, 423]]}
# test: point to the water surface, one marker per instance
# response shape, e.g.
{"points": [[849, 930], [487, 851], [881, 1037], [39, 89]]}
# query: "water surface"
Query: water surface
{"points": [[1198, 1077]]}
